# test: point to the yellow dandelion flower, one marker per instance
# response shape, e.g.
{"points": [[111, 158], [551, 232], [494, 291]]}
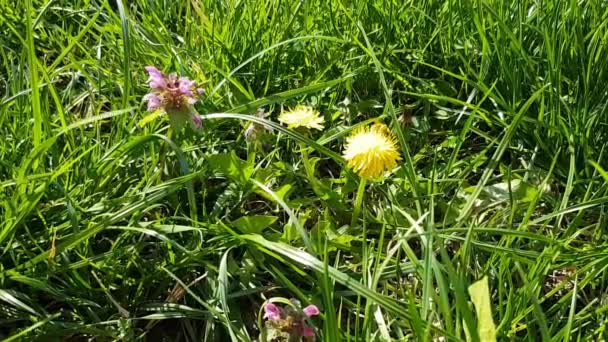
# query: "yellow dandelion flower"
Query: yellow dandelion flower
{"points": [[302, 116], [371, 151]]}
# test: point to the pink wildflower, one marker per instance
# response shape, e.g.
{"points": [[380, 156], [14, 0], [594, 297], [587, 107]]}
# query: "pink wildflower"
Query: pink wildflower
{"points": [[272, 312], [311, 310], [290, 321], [154, 102], [307, 331], [173, 95]]}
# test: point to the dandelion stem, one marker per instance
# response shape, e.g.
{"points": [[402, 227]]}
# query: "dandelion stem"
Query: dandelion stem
{"points": [[306, 161], [310, 171], [252, 148], [358, 201]]}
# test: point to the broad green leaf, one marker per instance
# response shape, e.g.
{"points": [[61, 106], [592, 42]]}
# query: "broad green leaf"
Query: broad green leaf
{"points": [[521, 191], [281, 193], [254, 224], [290, 230], [231, 166], [480, 295]]}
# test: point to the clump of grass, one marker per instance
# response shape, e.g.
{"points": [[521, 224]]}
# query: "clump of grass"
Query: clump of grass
{"points": [[116, 231]]}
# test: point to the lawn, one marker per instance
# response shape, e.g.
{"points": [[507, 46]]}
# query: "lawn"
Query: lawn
{"points": [[351, 170]]}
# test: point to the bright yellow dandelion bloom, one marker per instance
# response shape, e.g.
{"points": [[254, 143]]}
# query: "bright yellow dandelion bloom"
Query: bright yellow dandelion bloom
{"points": [[302, 116], [371, 151]]}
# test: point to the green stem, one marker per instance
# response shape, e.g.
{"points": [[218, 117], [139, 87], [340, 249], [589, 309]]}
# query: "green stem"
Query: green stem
{"points": [[252, 148], [310, 171], [354, 218], [306, 162], [358, 201], [163, 154]]}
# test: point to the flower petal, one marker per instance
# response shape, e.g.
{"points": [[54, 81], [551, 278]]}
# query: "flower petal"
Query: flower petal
{"points": [[153, 71], [311, 310], [197, 121], [272, 312], [185, 86], [157, 84], [308, 331], [372, 151], [302, 116], [154, 102], [157, 79]]}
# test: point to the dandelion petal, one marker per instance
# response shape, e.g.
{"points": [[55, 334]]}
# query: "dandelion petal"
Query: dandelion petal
{"points": [[372, 151], [302, 116]]}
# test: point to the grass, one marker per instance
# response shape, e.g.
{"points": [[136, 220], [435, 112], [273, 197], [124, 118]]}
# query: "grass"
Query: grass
{"points": [[114, 231]]}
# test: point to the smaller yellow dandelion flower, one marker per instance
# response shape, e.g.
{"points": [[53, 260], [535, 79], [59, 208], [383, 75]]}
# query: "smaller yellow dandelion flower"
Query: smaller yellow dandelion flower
{"points": [[302, 116], [371, 151]]}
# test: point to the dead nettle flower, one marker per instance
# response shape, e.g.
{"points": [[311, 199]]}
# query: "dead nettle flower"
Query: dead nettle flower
{"points": [[255, 130], [174, 96], [289, 323]]}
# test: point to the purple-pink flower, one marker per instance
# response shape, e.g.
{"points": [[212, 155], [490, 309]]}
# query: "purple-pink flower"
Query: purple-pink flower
{"points": [[174, 95], [272, 312], [311, 310], [291, 320], [308, 331]]}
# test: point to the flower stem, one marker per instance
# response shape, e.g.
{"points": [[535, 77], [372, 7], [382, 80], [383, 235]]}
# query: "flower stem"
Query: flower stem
{"points": [[358, 201], [310, 172], [305, 159], [163, 154], [354, 218], [252, 151]]}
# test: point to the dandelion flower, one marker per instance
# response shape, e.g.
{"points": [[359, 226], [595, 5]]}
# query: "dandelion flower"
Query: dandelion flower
{"points": [[371, 151], [302, 116], [173, 95]]}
